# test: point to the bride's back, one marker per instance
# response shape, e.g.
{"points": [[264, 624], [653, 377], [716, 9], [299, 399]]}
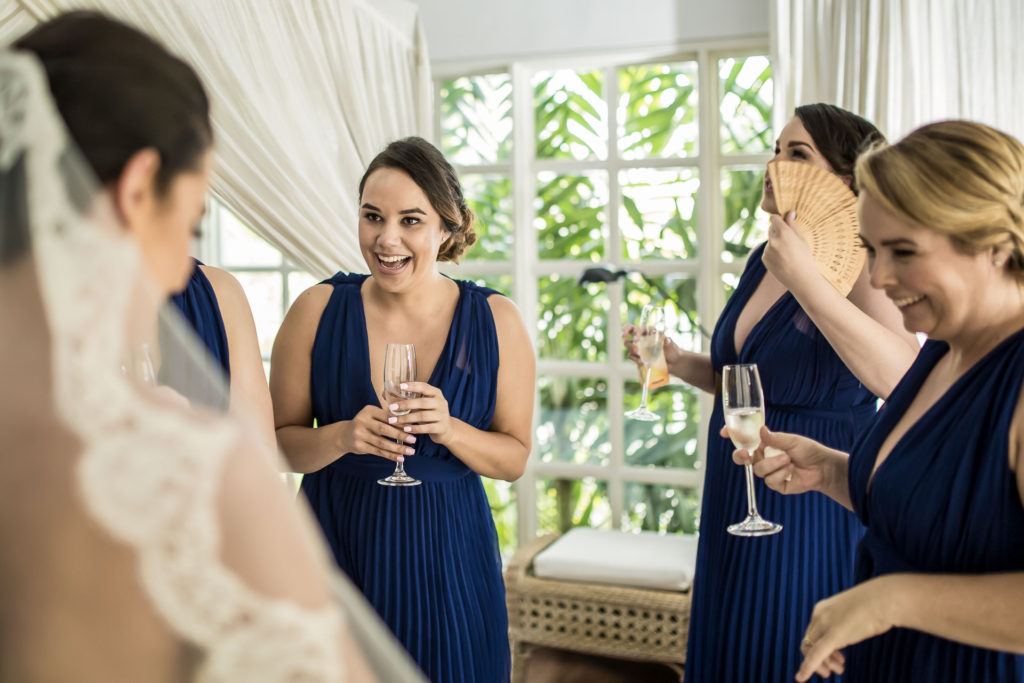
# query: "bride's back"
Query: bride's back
{"points": [[140, 539], [71, 605]]}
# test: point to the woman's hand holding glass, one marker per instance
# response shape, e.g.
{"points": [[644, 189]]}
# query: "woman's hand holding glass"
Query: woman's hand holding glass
{"points": [[427, 414], [791, 464], [788, 463], [369, 432], [647, 342]]}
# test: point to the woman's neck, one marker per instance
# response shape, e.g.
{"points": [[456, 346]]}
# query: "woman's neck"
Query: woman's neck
{"points": [[999, 315], [414, 302]]}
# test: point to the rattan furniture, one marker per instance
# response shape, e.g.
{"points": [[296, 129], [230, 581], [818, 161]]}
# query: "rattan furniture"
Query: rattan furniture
{"points": [[613, 621]]}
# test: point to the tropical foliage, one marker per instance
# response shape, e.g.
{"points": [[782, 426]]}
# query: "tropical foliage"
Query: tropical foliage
{"points": [[657, 143]]}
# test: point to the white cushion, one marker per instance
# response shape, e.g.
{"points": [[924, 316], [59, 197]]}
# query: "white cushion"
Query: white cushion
{"points": [[643, 560]]}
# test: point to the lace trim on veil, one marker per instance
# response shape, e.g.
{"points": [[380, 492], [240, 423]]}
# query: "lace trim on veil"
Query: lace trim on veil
{"points": [[149, 477]]}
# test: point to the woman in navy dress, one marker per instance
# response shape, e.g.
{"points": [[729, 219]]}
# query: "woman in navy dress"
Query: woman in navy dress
{"points": [[823, 359], [938, 478], [426, 556], [214, 305]]}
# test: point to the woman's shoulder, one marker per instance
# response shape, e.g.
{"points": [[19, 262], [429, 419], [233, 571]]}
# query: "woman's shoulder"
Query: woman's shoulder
{"points": [[498, 303], [475, 289]]}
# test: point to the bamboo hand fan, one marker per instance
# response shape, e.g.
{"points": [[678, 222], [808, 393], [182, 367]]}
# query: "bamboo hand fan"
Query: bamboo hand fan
{"points": [[826, 215]]}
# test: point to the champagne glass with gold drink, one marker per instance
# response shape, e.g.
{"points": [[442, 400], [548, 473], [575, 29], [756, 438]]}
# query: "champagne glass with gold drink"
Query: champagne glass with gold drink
{"points": [[650, 336]]}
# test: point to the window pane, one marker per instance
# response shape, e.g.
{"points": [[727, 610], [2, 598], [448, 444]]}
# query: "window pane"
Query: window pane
{"points": [[571, 214], [298, 282], [476, 119], [240, 246], [671, 442], [573, 424], [729, 282], [565, 503], [657, 110], [658, 217], [572, 319], [746, 224], [572, 116], [264, 291], [502, 497], [653, 507], [746, 106], [490, 198]]}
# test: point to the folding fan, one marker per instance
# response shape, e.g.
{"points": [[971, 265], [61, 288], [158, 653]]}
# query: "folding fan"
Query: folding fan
{"points": [[826, 215]]}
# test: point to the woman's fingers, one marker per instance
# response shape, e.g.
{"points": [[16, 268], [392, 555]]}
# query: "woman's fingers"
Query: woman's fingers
{"points": [[780, 479], [393, 450], [770, 465]]}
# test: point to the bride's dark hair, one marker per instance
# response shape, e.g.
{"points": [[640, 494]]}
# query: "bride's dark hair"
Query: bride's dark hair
{"points": [[119, 91]]}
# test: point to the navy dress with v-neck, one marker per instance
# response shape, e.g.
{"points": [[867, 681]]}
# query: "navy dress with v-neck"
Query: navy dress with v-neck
{"points": [[943, 501], [426, 557], [753, 596]]}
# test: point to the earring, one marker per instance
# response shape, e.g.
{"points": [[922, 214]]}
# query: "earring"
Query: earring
{"points": [[997, 263]]}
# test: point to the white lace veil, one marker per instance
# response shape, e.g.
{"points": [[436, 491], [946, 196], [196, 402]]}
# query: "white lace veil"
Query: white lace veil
{"points": [[138, 538]]}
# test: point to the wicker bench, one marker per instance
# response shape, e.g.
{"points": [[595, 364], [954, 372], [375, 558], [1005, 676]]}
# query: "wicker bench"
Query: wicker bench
{"points": [[612, 621]]}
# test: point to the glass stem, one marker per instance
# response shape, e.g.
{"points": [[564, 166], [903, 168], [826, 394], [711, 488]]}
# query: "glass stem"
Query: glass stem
{"points": [[647, 381], [399, 465], [751, 502]]}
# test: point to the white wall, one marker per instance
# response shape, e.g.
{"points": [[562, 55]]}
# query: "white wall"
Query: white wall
{"points": [[495, 30]]}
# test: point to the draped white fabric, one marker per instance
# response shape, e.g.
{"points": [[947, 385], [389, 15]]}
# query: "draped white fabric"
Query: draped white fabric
{"points": [[304, 94], [903, 63]]}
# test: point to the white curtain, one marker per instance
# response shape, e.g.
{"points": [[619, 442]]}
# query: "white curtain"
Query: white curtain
{"points": [[902, 63], [304, 93]]}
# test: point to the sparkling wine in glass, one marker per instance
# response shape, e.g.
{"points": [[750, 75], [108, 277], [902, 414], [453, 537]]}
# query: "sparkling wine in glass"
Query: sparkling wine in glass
{"points": [[650, 336], [743, 404], [399, 368]]}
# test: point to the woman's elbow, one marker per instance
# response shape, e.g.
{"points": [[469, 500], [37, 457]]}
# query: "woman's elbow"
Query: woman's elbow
{"points": [[516, 467]]}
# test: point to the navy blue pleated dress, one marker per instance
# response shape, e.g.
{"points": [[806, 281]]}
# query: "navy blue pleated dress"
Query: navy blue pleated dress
{"points": [[752, 597], [426, 557], [198, 305], [943, 501]]}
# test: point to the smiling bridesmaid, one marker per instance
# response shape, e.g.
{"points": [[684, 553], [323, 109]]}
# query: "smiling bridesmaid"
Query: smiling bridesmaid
{"points": [[425, 556]]}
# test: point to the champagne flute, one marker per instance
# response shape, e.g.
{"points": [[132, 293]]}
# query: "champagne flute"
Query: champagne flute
{"points": [[649, 340], [138, 365], [743, 404], [399, 367]]}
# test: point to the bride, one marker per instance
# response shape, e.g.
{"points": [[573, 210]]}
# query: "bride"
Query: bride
{"points": [[142, 540]]}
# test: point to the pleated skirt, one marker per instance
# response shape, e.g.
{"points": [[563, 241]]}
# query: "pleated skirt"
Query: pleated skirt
{"points": [[753, 597], [427, 559]]}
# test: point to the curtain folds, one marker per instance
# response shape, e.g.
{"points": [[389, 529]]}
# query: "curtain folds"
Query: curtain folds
{"points": [[902, 63], [304, 93]]}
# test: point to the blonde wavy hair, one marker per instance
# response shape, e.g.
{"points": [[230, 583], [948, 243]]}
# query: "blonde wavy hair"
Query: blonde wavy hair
{"points": [[962, 179]]}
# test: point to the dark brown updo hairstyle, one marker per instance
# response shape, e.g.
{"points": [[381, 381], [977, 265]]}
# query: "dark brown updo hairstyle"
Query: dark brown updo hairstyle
{"points": [[839, 135], [119, 91], [428, 168]]}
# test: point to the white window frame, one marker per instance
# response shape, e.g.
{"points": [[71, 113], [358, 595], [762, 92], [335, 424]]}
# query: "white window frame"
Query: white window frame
{"points": [[207, 250], [525, 267]]}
